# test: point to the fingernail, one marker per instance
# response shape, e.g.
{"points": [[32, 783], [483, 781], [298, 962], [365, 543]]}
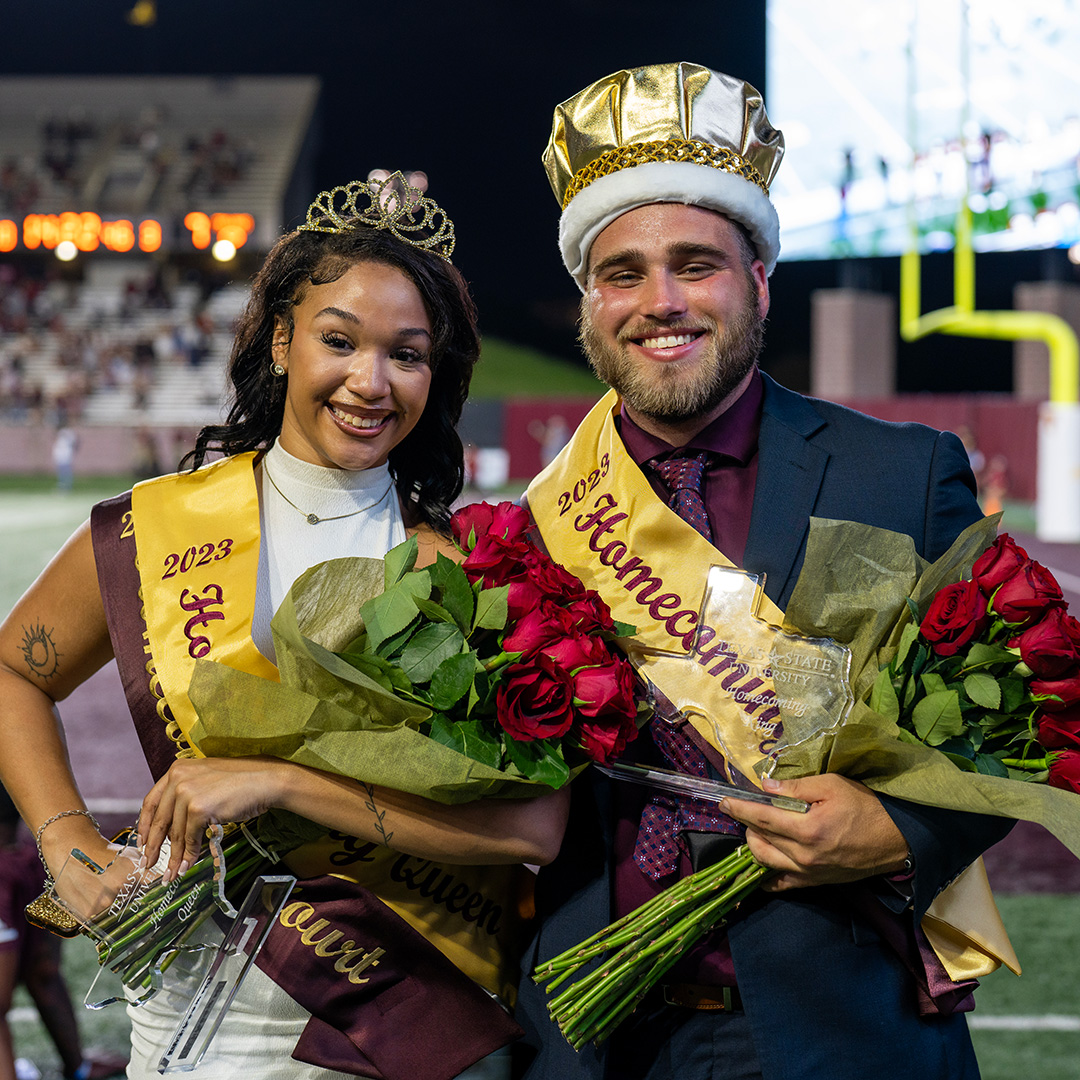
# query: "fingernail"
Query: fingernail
{"points": [[141, 864], [184, 867], [167, 877], [769, 784]]}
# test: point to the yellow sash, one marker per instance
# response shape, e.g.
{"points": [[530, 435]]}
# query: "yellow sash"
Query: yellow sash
{"points": [[601, 519], [197, 538], [197, 543]]}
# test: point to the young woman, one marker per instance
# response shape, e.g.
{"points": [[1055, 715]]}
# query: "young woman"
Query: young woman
{"points": [[350, 368]]}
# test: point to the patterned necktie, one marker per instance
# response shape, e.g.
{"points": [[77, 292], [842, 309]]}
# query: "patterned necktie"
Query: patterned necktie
{"points": [[683, 477], [657, 849]]}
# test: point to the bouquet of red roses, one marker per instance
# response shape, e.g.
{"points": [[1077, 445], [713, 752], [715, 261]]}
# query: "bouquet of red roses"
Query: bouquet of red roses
{"points": [[991, 675], [455, 681], [966, 674]]}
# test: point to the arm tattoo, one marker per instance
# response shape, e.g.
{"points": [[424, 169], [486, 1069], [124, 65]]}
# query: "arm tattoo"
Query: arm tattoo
{"points": [[40, 652], [380, 815]]}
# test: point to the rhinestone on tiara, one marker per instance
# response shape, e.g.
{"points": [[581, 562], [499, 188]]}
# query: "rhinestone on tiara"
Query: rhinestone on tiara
{"points": [[393, 205]]}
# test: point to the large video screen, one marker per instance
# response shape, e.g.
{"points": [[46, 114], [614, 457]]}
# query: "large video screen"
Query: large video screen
{"points": [[865, 127]]}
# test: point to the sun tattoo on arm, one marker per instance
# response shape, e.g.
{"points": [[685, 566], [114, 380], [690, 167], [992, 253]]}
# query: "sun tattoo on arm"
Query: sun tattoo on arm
{"points": [[39, 649], [380, 815]]}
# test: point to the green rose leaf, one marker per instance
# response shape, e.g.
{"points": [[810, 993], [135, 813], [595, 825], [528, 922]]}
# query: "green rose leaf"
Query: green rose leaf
{"points": [[933, 684], [962, 762], [435, 612], [990, 766], [399, 561], [1013, 694], [455, 591], [452, 680], [981, 655], [391, 612], [429, 647], [907, 639], [468, 737], [983, 690], [540, 760], [491, 608], [624, 629], [883, 697], [389, 676], [937, 717]]}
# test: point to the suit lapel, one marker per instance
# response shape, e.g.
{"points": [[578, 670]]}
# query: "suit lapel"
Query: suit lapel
{"points": [[790, 472]]}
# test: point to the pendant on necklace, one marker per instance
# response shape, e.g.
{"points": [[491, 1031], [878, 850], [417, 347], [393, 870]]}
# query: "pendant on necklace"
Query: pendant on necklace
{"points": [[313, 519]]}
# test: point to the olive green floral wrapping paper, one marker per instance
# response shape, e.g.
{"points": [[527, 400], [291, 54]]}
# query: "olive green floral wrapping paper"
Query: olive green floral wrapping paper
{"points": [[328, 715], [853, 587]]}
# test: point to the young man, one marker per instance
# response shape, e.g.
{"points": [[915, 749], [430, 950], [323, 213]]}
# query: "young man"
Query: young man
{"points": [[667, 227]]}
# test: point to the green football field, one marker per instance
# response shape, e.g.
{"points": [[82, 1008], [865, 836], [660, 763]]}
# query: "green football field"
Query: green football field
{"points": [[1023, 1028]]}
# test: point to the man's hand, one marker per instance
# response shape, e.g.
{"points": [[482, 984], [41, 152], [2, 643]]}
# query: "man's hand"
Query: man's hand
{"points": [[845, 835]]}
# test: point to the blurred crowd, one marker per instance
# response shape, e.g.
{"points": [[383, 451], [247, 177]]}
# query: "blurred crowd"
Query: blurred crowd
{"points": [[51, 362], [170, 165]]}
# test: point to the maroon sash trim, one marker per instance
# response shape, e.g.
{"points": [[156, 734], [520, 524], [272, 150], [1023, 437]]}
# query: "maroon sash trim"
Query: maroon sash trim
{"points": [[118, 579], [408, 1013]]}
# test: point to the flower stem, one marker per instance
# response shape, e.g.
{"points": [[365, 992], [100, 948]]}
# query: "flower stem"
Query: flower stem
{"points": [[644, 945]]}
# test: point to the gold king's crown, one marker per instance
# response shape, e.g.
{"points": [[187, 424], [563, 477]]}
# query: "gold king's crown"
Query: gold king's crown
{"points": [[393, 205]]}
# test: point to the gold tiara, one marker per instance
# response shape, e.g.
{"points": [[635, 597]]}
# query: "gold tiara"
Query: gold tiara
{"points": [[394, 205]]}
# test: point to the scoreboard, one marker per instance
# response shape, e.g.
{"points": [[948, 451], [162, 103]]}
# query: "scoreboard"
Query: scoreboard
{"points": [[88, 231]]}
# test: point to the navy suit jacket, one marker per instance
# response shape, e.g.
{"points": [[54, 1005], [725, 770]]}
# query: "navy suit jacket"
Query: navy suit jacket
{"points": [[824, 995]]}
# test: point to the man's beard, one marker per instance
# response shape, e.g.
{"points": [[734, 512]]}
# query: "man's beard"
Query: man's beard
{"points": [[665, 391]]}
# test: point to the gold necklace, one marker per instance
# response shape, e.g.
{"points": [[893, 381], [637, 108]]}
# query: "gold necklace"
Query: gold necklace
{"points": [[314, 519]]}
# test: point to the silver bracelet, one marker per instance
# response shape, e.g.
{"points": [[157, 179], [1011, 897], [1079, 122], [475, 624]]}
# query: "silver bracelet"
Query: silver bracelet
{"points": [[45, 824]]}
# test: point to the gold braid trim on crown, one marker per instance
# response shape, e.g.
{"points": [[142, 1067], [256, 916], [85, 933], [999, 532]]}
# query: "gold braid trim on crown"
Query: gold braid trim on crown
{"points": [[692, 150], [393, 205]]}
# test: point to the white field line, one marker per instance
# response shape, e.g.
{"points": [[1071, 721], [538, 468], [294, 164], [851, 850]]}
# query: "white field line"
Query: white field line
{"points": [[1025, 1023], [26, 1014], [114, 806]]}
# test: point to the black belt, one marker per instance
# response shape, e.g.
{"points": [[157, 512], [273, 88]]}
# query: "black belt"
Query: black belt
{"points": [[692, 996]]}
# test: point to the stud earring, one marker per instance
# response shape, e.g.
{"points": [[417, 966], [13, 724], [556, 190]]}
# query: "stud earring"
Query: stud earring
{"points": [[277, 369]]}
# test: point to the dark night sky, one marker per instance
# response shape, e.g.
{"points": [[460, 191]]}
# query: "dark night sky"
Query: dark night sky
{"points": [[462, 90]]}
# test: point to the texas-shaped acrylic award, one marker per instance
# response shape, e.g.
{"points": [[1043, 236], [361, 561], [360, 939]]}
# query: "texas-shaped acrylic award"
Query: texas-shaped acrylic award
{"points": [[210, 923], [750, 689]]}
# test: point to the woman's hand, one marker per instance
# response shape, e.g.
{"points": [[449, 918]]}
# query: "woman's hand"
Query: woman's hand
{"points": [[197, 792]]}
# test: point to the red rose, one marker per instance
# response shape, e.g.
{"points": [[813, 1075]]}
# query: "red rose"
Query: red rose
{"points": [[997, 563], [551, 578], [604, 739], [1049, 647], [535, 700], [524, 596], [590, 615], [473, 518], [507, 521], [1064, 693], [1065, 770], [603, 679], [1022, 598], [1059, 730], [496, 561], [547, 622], [606, 689], [957, 615]]}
